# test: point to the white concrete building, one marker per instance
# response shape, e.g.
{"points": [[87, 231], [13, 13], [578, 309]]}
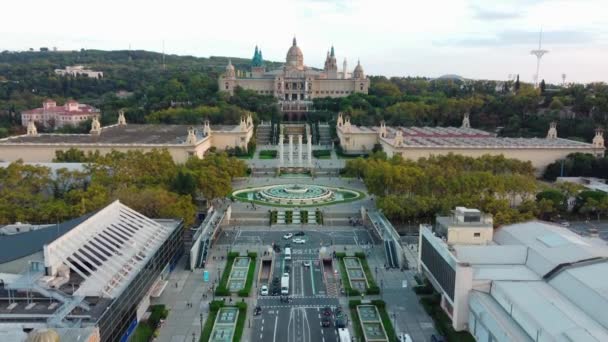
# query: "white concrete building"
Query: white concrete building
{"points": [[422, 142], [531, 281], [76, 70]]}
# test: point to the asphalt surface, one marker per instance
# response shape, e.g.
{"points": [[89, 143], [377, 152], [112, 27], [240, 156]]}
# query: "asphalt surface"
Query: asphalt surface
{"points": [[314, 238], [300, 319]]}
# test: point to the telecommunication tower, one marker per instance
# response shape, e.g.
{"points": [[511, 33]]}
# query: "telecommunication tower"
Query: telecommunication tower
{"points": [[539, 53]]}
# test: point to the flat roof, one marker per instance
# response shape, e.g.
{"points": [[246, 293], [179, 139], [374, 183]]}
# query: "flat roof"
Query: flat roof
{"points": [[19, 245], [450, 137], [131, 134]]}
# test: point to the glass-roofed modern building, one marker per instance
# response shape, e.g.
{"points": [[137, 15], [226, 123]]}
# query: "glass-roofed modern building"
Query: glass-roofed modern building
{"points": [[88, 279], [531, 281]]}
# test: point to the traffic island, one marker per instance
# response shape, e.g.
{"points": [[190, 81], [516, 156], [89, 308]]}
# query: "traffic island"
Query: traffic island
{"points": [[371, 322], [238, 275], [356, 275], [225, 323]]}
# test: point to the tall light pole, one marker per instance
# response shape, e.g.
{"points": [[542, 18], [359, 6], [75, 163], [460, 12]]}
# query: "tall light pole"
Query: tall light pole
{"points": [[539, 53], [201, 324]]}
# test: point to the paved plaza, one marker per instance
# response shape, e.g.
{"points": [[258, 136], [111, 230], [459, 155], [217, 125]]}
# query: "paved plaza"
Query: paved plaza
{"points": [[314, 285]]}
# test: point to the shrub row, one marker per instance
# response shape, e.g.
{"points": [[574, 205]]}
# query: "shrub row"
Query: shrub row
{"points": [[431, 302], [268, 154], [373, 288], [222, 287], [347, 288], [321, 153], [384, 317], [240, 323], [214, 307], [244, 292]]}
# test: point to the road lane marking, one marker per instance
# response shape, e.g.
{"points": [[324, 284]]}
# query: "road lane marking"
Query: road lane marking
{"points": [[312, 279], [301, 280], [276, 321]]}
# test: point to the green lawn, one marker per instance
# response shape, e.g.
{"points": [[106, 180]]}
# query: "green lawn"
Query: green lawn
{"points": [[268, 154]]}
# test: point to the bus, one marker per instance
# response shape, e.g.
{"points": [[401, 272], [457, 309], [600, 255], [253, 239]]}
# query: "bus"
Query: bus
{"points": [[285, 284], [344, 335], [287, 253]]}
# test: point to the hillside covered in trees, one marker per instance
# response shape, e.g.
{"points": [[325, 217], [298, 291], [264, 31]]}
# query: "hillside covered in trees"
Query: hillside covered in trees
{"points": [[183, 89]]}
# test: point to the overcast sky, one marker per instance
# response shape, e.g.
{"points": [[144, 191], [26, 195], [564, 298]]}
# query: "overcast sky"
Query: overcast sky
{"points": [[484, 39]]}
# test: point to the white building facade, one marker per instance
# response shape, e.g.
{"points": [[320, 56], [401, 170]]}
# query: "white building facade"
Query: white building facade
{"points": [[531, 281]]}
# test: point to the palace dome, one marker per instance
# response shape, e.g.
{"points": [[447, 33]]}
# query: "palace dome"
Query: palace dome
{"points": [[358, 72], [295, 57]]}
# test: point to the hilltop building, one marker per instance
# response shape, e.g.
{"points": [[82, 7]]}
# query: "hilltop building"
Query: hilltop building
{"points": [[77, 70], [418, 142], [50, 114], [88, 279], [295, 85], [531, 281], [182, 141]]}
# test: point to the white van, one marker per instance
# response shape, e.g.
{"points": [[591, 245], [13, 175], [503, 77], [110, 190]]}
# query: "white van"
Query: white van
{"points": [[287, 253]]}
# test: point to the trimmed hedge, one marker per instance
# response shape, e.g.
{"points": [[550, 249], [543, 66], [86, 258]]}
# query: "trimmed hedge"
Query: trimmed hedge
{"points": [[423, 290], [240, 323], [443, 323], [358, 329], [268, 154], [373, 288], [222, 287], [386, 320], [384, 317], [244, 292], [321, 154], [347, 288], [214, 307]]}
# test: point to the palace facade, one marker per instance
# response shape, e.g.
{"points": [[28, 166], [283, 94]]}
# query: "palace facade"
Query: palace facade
{"points": [[295, 85], [423, 142]]}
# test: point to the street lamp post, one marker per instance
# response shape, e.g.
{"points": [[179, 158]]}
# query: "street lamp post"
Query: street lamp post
{"points": [[201, 324]]}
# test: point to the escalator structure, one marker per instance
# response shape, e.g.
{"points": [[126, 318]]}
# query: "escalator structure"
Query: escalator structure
{"points": [[391, 253]]}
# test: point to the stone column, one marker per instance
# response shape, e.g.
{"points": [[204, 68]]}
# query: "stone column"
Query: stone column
{"points": [[281, 150], [300, 149], [291, 149], [309, 145]]}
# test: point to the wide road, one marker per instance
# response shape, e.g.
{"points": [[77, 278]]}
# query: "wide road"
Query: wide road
{"points": [[300, 319], [315, 238]]}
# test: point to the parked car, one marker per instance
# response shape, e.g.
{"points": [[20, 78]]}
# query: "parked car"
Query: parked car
{"points": [[287, 269], [437, 338], [276, 248], [306, 263], [288, 236], [300, 233], [298, 241], [257, 310], [264, 290], [325, 322], [405, 338]]}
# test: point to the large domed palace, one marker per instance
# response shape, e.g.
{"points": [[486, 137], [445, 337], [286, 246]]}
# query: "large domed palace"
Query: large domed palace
{"points": [[295, 85]]}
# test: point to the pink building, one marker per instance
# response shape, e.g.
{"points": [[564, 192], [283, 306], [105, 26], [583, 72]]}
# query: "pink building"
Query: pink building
{"points": [[71, 113]]}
